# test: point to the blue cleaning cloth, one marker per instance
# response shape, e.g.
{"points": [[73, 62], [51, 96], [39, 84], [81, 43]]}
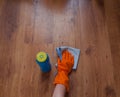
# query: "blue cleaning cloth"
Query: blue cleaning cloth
{"points": [[75, 52]]}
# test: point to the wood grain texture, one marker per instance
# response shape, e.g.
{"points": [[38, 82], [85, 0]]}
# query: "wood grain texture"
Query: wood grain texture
{"points": [[30, 26]]}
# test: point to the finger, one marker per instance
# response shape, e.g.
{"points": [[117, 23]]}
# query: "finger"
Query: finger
{"points": [[64, 54], [64, 51], [67, 55], [59, 60], [72, 57]]}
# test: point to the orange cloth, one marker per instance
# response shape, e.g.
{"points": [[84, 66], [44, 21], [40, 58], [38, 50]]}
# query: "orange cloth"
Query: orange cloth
{"points": [[64, 68]]}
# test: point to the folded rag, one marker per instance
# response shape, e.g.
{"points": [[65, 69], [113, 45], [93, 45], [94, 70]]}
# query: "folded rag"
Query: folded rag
{"points": [[75, 52]]}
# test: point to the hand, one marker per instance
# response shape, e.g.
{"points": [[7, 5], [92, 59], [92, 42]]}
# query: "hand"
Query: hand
{"points": [[66, 63], [64, 68]]}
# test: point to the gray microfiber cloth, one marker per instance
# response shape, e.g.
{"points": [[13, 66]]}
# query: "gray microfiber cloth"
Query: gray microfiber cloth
{"points": [[75, 52]]}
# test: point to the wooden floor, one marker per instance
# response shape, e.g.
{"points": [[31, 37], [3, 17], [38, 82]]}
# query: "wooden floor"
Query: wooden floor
{"points": [[30, 26]]}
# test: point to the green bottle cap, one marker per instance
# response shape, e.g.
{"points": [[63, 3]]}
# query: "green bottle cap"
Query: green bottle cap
{"points": [[41, 57]]}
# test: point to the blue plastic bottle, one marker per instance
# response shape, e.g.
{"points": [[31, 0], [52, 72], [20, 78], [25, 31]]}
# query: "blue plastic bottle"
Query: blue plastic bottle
{"points": [[43, 61]]}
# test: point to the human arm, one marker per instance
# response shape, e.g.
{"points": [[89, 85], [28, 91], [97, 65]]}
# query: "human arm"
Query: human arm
{"points": [[62, 80]]}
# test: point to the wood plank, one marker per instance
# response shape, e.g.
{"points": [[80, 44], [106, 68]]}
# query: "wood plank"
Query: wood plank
{"points": [[30, 26], [113, 23]]}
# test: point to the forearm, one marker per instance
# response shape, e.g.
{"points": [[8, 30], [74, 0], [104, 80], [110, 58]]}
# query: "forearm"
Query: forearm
{"points": [[59, 91], [62, 80]]}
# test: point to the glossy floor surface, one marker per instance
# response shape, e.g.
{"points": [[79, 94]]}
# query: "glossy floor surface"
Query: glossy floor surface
{"points": [[30, 26]]}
